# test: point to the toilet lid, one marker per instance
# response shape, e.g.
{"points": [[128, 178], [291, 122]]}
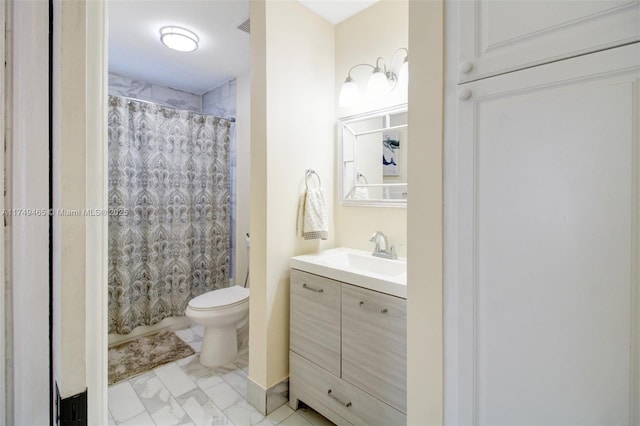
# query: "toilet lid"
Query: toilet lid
{"points": [[220, 298]]}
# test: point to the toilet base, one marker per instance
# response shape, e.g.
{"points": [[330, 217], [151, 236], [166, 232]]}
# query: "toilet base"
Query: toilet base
{"points": [[219, 346]]}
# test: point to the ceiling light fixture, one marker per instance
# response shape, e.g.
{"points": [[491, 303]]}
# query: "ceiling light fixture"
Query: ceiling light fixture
{"points": [[178, 38], [381, 81]]}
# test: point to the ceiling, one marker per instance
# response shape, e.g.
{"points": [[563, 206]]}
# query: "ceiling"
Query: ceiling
{"points": [[336, 11], [135, 50]]}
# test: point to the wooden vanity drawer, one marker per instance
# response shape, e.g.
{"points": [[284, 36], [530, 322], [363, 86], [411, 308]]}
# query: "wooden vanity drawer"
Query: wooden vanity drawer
{"points": [[343, 401], [374, 344], [315, 319]]}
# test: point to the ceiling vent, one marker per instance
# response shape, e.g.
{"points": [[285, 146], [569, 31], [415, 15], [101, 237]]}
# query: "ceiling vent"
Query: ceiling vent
{"points": [[245, 26]]}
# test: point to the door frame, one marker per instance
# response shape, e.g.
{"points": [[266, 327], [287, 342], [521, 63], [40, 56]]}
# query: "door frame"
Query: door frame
{"points": [[422, 344], [25, 254], [96, 198], [3, 285]]}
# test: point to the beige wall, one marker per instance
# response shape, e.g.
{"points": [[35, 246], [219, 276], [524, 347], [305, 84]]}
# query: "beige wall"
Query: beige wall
{"points": [[292, 128], [360, 40], [79, 182], [425, 346], [258, 186], [377, 31], [69, 188], [243, 173]]}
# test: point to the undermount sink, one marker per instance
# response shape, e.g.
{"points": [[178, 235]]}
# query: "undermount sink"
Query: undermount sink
{"points": [[357, 267]]}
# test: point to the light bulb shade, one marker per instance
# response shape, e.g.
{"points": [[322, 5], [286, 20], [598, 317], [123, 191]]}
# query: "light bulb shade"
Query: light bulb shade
{"points": [[178, 38], [349, 94], [403, 74], [378, 84]]}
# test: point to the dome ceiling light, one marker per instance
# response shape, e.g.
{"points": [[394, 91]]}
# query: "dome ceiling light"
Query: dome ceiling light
{"points": [[178, 38]]}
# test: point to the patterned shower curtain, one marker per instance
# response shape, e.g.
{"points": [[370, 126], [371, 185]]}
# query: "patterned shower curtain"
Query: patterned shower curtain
{"points": [[169, 224]]}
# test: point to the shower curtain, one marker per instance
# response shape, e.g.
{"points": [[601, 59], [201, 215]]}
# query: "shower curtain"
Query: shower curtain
{"points": [[169, 224]]}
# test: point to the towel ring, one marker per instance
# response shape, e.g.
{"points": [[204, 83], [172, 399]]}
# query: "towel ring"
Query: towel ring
{"points": [[308, 173], [360, 177]]}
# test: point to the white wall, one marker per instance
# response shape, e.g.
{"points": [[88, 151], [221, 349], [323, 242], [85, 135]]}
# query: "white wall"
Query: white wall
{"points": [[377, 31], [292, 128]]}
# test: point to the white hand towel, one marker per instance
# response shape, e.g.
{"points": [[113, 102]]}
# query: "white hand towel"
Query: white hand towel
{"points": [[312, 215], [300, 221]]}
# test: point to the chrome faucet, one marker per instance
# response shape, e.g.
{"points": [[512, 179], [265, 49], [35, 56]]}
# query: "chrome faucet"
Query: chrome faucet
{"points": [[382, 248]]}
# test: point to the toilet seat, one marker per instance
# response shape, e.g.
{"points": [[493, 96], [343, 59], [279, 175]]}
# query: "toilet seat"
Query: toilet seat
{"points": [[220, 299]]}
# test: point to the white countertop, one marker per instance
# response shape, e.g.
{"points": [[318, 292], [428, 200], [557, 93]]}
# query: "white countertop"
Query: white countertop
{"points": [[357, 267]]}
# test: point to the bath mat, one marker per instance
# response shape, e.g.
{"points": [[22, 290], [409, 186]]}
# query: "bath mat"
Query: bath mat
{"points": [[138, 356]]}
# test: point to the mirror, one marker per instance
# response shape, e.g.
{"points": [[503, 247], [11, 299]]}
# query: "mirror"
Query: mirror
{"points": [[373, 158]]}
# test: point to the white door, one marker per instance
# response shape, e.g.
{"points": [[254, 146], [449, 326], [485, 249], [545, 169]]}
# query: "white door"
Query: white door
{"points": [[548, 248], [498, 36]]}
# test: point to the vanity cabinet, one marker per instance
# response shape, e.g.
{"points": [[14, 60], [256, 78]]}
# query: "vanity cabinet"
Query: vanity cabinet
{"points": [[315, 319], [347, 351], [374, 344]]}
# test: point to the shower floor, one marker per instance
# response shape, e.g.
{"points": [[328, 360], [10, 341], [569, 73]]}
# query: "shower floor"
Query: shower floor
{"points": [[186, 393]]}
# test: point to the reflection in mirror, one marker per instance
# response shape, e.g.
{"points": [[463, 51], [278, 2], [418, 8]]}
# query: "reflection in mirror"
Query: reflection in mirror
{"points": [[373, 158]]}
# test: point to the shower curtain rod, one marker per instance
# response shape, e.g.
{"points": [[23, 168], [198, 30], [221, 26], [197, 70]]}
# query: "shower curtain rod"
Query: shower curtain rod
{"points": [[231, 119], [145, 101]]}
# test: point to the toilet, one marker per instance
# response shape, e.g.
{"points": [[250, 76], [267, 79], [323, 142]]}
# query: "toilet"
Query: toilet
{"points": [[221, 312]]}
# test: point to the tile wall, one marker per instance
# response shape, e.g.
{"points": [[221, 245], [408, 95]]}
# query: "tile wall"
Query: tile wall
{"points": [[123, 86]]}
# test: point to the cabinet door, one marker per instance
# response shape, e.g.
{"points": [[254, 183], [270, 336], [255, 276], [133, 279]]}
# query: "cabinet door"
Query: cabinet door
{"points": [[315, 319], [500, 36], [548, 216], [336, 399], [374, 344]]}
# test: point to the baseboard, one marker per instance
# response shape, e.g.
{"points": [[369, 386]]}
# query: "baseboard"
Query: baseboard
{"points": [[267, 400]]}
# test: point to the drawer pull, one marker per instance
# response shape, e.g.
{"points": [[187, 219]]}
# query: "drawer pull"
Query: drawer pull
{"points": [[346, 404], [317, 290], [382, 311]]}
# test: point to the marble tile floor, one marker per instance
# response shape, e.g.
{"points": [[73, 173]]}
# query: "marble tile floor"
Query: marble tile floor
{"points": [[186, 393]]}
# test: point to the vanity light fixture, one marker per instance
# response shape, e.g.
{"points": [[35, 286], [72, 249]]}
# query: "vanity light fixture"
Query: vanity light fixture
{"points": [[178, 38], [349, 94], [381, 81]]}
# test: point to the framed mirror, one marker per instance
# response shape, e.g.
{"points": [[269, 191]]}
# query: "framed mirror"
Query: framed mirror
{"points": [[373, 158]]}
